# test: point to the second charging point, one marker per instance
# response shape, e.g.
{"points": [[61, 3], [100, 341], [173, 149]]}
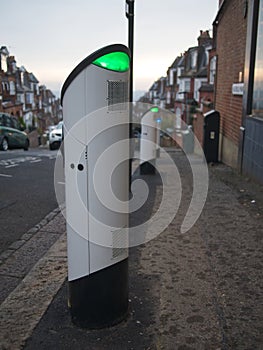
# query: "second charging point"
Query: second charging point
{"points": [[149, 142]]}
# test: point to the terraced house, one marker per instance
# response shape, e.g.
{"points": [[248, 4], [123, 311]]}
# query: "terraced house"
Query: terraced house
{"points": [[22, 96], [223, 74], [238, 41]]}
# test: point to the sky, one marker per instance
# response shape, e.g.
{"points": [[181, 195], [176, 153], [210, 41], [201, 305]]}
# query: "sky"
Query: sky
{"points": [[49, 38]]}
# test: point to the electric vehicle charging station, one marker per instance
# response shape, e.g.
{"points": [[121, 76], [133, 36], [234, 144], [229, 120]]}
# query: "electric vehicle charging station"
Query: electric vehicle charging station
{"points": [[158, 120], [150, 135], [96, 117]]}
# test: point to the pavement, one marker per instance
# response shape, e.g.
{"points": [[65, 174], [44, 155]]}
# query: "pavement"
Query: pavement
{"points": [[199, 290]]}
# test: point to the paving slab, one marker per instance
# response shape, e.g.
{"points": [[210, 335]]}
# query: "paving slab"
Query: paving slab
{"points": [[22, 260], [199, 290]]}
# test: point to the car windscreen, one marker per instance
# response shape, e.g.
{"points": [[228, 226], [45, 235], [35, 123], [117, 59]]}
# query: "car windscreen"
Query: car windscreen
{"points": [[8, 121]]}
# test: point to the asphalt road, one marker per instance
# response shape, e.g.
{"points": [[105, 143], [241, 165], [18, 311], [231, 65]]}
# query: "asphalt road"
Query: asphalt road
{"points": [[27, 192]]}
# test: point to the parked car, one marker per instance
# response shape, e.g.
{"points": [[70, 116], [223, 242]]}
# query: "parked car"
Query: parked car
{"points": [[48, 131], [56, 136], [10, 134]]}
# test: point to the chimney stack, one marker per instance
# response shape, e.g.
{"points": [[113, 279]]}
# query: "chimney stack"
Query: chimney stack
{"points": [[204, 38]]}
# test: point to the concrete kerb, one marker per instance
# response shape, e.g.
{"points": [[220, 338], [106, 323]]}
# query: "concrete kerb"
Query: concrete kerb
{"points": [[28, 235], [30, 284], [25, 305]]}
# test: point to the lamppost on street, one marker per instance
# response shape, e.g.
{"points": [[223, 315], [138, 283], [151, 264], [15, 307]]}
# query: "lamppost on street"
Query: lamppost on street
{"points": [[130, 16]]}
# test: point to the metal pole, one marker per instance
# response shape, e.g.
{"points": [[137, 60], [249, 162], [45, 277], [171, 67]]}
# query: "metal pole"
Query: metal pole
{"points": [[130, 16]]}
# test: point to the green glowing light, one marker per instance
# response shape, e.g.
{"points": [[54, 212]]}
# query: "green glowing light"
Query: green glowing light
{"points": [[116, 61], [155, 109]]}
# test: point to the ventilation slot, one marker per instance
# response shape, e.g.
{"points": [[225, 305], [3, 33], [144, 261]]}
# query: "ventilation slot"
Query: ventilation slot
{"points": [[119, 243], [117, 95]]}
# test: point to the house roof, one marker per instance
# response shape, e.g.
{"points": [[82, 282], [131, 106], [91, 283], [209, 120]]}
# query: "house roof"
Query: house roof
{"points": [[4, 50], [50, 93], [193, 48], [32, 78], [181, 61], [176, 62], [154, 86]]}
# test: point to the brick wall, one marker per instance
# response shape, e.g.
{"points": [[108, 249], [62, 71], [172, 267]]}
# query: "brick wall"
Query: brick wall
{"points": [[198, 126], [16, 110], [231, 46]]}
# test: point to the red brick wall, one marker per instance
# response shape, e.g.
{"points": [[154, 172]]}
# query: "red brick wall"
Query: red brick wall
{"points": [[17, 110], [231, 45], [198, 127]]}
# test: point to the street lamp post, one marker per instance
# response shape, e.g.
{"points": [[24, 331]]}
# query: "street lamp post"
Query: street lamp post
{"points": [[130, 16]]}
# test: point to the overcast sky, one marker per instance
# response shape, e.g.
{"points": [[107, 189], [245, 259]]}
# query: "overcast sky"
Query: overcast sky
{"points": [[51, 37]]}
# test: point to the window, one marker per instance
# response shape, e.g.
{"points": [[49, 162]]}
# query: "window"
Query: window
{"points": [[5, 86], [3, 62], [8, 121], [257, 104], [187, 86], [212, 70], [12, 88], [29, 98], [193, 59], [171, 76], [20, 98]]}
